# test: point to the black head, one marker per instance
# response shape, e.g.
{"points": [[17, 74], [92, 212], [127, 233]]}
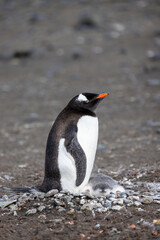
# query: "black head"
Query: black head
{"points": [[86, 101]]}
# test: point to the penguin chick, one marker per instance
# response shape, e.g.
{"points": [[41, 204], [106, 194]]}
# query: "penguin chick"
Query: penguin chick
{"points": [[102, 185]]}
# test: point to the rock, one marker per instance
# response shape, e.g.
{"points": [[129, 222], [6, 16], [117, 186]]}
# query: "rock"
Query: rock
{"points": [[147, 200], [91, 205], [41, 196], [119, 27], [101, 209], [42, 216], [25, 195], [21, 203], [140, 209], [117, 208], [76, 54], [86, 22], [58, 220], [58, 202], [5, 197], [153, 124], [82, 201], [72, 211], [114, 231], [121, 195], [71, 204], [153, 82], [137, 204], [108, 204], [15, 214], [157, 201], [152, 55], [4, 204], [61, 209], [13, 207], [60, 195], [120, 201], [158, 131], [97, 226], [31, 211], [68, 198], [22, 54], [7, 177], [41, 208], [135, 197], [51, 193]]}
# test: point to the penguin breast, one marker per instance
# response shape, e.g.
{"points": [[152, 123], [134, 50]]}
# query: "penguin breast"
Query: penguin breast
{"points": [[87, 136]]}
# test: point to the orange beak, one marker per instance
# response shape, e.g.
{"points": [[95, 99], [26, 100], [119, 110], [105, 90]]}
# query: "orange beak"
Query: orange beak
{"points": [[102, 95]]}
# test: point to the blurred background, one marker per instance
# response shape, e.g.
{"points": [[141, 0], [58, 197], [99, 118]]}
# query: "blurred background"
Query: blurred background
{"points": [[52, 50]]}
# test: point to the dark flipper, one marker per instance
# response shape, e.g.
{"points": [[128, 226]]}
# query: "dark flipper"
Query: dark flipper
{"points": [[73, 147]]}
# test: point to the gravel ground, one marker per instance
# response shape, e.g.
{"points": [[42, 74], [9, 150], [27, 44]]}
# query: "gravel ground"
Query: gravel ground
{"points": [[49, 52]]}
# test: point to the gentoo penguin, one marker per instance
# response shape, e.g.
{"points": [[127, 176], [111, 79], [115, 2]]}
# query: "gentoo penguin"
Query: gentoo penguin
{"points": [[72, 144], [101, 185]]}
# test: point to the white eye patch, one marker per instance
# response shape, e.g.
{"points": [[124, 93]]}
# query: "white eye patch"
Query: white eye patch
{"points": [[82, 98]]}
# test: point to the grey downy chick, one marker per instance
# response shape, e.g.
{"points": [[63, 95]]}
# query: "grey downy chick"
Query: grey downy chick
{"points": [[102, 185]]}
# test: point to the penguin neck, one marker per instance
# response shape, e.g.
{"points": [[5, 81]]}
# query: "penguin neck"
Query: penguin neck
{"points": [[80, 111]]}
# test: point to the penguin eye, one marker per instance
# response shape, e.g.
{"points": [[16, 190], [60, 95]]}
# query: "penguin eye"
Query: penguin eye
{"points": [[82, 98]]}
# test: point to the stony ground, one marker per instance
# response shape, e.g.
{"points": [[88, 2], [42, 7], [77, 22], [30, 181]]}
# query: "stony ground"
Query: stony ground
{"points": [[49, 52]]}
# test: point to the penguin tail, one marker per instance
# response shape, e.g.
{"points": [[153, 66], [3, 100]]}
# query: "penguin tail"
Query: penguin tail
{"points": [[20, 189]]}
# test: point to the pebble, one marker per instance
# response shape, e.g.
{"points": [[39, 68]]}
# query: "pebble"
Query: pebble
{"points": [[147, 200], [15, 214], [31, 211], [82, 201], [97, 226], [42, 216], [91, 205], [72, 211], [152, 55], [153, 124], [41, 196], [76, 54], [117, 208], [135, 197], [5, 197], [58, 202], [41, 208], [86, 22], [120, 201], [60, 209], [13, 207], [153, 82], [127, 201], [59, 195], [108, 204], [122, 195], [137, 204], [140, 209], [51, 193]]}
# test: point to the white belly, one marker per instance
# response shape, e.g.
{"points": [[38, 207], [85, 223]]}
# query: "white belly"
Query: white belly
{"points": [[87, 137]]}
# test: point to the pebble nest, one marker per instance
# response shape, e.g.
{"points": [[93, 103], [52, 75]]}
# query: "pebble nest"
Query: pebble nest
{"points": [[137, 194]]}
